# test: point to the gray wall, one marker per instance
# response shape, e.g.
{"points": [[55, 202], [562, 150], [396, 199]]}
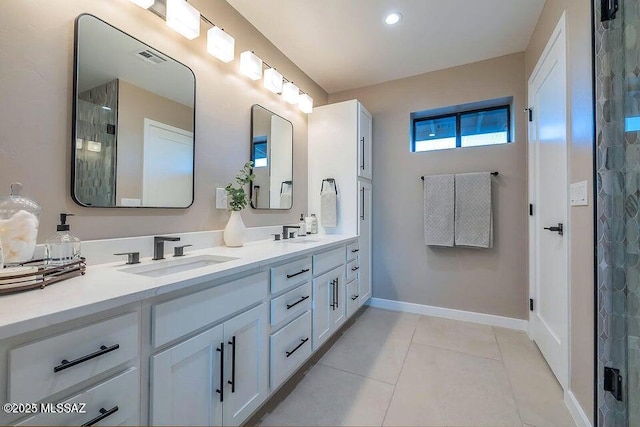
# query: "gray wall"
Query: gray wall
{"points": [[490, 281], [580, 107], [35, 113]]}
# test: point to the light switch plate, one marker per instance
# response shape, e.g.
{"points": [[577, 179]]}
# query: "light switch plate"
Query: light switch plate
{"points": [[579, 194], [221, 198]]}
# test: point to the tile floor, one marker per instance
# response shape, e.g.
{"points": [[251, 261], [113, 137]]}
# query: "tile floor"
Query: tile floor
{"points": [[400, 369]]}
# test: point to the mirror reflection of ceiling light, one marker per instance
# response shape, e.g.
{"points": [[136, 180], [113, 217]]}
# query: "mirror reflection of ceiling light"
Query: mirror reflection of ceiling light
{"points": [[250, 65], [220, 44], [145, 4], [183, 18], [94, 146], [393, 18]]}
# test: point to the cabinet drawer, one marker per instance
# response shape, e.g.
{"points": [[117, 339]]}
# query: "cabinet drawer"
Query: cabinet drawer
{"points": [[116, 401], [181, 316], [290, 347], [288, 275], [353, 249], [42, 368], [353, 297], [353, 268], [325, 261], [291, 304]]}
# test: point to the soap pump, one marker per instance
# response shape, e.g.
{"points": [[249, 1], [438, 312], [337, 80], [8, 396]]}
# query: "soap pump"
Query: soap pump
{"points": [[63, 247], [302, 228]]}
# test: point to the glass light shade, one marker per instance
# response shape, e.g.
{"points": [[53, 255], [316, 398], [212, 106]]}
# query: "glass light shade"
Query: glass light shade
{"points": [[250, 65], [273, 80], [305, 103], [94, 146], [183, 18], [145, 4], [290, 93], [220, 44]]}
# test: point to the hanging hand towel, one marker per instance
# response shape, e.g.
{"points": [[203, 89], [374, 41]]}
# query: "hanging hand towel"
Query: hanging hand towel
{"points": [[439, 198], [286, 198], [474, 217], [329, 205]]}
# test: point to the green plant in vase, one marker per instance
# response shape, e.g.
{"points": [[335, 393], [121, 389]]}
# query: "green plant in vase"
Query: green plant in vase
{"points": [[235, 232]]}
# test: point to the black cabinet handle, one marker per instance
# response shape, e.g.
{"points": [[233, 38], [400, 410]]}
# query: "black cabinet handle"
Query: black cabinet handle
{"points": [[103, 414], [355, 268], [302, 341], [220, 391], [290, 306], [333, 295], [355, 297], [355, 250], [337, 294], [362, 211], [362, 163], [305, 270], [233, 364], [103, 350]]}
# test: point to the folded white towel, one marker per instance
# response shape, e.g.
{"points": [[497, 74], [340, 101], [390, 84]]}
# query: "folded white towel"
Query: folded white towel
{"points": [[285, 201], [329, 207], [474, 217], [439, 198]]}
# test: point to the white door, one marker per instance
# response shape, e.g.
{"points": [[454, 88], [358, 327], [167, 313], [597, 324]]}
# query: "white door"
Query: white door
{"points": [[322, 308], [246, 364], [364, 143], [185, 382], [364, 230], [167, 179], [549, 281]]}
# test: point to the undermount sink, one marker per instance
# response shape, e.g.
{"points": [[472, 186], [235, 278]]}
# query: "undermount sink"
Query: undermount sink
{"points": [[162, 268], [301, 241]]}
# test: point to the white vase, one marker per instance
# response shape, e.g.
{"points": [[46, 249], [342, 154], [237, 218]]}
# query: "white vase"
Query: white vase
{"points": [[235, 234]]}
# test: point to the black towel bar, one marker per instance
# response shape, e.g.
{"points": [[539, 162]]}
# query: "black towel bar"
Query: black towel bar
{"points": [[492, 173]]}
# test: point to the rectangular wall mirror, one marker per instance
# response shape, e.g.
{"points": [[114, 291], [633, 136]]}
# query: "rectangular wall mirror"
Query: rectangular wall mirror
{"points": [[134, 121], [272, 156]]}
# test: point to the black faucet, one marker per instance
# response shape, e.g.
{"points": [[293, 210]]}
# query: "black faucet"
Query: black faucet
{"points": [[285, 230], [158, 246]]}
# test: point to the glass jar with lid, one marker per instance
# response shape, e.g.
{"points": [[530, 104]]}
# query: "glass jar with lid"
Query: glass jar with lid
{"points": [[19, 222]]}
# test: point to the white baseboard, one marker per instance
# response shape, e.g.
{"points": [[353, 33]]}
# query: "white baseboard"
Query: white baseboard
{"points": [[578, 414], [450, 313]]}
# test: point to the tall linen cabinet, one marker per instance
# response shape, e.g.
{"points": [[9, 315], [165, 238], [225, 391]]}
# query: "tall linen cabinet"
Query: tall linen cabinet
{"points": [[340, 143]]}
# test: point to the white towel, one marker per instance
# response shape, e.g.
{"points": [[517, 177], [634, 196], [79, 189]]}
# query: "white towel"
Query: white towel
{"points": [[329, 207], [285, 200], [439, 198], [474, 217]]}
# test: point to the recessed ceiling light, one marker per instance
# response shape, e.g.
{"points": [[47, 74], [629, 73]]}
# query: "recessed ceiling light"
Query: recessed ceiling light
{"points": [[393, 18]]}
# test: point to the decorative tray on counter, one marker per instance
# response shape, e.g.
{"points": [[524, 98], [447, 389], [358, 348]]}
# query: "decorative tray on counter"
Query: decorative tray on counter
{"points": [[42, 277]]}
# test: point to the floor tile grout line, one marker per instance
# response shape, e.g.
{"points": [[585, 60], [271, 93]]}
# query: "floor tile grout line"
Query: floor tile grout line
{"points": [[404, 361], [506, 371], [354, 373], [458, 351]]}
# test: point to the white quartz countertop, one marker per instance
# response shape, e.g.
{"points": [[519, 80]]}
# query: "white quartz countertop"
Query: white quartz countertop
{"points": [[104, 286]]}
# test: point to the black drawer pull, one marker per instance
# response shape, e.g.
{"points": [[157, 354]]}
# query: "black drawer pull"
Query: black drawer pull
{"points": [[232, 383], [355, 297], [289, 353], [103, 414], [289, 306], [355, 268], [103, 350], [305, 270], [355, 250]]}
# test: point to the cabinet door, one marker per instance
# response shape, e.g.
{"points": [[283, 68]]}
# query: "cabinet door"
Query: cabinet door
{"points": [[322, 308], [185, 382], [364, 143], [246, 364], [364, 230]]}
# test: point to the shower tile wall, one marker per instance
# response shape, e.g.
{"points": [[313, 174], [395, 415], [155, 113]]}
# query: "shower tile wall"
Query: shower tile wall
{"points": [[618, 224]]}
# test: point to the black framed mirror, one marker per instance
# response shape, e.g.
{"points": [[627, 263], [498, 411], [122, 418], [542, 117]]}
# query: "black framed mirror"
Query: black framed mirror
{"points": [[272, 157], [133, 122]]}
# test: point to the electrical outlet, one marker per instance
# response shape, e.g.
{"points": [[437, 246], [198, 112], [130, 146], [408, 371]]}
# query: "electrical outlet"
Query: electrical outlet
{"points": [[221, 198]]}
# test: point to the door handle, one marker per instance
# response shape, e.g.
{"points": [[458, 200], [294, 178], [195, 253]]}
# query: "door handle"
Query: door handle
{"points": [[362, 163], [232, 383], [333, 295], [220, 391], [362, 199], [559, 229]]}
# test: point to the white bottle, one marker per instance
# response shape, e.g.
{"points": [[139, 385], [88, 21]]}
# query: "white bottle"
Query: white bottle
{"points": [[302, 231], [314, 224], [308, 224]]}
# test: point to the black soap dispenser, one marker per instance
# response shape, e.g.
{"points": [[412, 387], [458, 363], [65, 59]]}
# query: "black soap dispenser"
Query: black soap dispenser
{"points": [[63, 247]]}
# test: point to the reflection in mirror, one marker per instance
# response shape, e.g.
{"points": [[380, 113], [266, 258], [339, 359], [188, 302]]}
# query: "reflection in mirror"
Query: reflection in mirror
{"points": [[134, 122], [272, 156]]}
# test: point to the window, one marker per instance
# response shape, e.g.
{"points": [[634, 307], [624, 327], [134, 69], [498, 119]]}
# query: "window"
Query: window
{"points": [[260, 152], [470, 127]]}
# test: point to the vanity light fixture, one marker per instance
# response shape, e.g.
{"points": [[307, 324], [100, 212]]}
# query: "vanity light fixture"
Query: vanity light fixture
{"points": [[273, 80], [250, 65], [145, 4], [183, 18], [393, 18], [220, 44], [94, 146], [305, 103], [290, 93]]}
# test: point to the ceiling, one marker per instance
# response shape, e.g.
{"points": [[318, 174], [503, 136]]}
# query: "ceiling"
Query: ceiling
{"points": [[345, 44]]}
